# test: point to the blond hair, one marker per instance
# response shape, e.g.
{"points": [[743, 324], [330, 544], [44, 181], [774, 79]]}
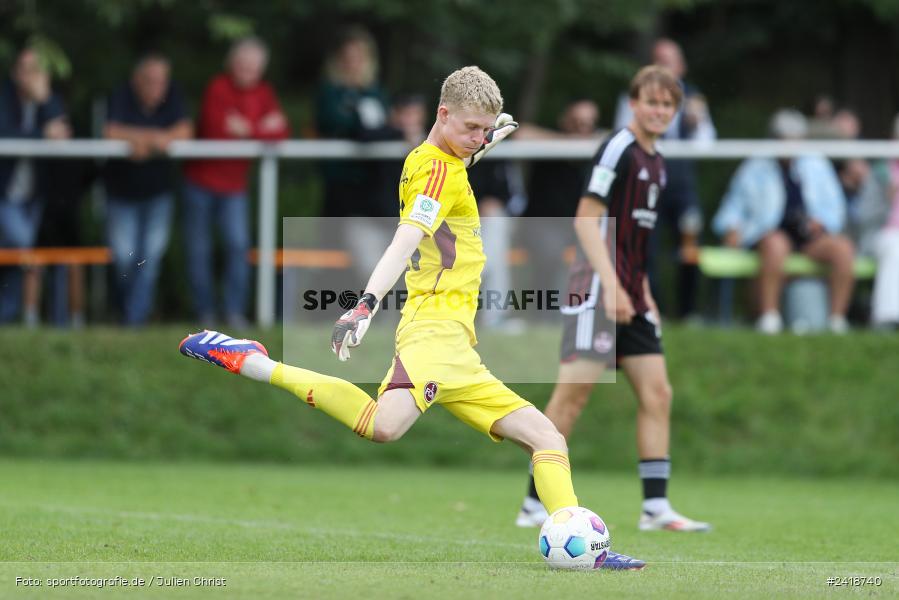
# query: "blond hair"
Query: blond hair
{"points": [[470, 88]]}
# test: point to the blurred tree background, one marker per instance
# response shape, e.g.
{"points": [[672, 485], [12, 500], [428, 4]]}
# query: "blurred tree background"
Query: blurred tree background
{"points": [[749, 57]]}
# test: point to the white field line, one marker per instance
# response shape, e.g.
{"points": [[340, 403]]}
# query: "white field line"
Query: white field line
{"points": [[278, 525], [326, 532]]}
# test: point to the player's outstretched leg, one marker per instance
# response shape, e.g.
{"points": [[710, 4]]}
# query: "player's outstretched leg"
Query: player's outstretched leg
{"points": [[336, 397], [569, 397], [533, 431], [648, 376]]}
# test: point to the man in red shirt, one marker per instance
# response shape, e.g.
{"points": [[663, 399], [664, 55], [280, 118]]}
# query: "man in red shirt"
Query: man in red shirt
{"points": [[237, 105]]}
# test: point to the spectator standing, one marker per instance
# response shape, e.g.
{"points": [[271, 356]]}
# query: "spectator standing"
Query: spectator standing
{"points": [[778, 205], [69, 180], [351, 105], [554, 189], [406, 123], [149, 113], [681, 211], [28, 109], [237, 105], [493, 183]]}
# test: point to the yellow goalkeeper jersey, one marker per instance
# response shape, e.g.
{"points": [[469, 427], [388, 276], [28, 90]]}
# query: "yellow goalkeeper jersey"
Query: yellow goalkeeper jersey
{"points": [[444, 275]]}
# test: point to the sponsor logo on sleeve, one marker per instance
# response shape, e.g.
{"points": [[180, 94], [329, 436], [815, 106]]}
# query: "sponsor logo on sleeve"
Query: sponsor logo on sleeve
{"points": [[425, 211], [601, 180], [653, 196]]}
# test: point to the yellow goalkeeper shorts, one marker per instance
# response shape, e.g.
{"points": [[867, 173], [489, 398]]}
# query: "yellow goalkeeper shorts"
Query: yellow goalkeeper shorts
{"points": [[435, 361]]}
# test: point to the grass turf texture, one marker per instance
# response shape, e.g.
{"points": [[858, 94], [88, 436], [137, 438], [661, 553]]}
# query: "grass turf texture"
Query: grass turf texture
{"points": [[380, 532], [821, 405]]}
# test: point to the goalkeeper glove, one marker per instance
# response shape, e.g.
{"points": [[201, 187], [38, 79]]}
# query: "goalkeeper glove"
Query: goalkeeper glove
{"points": [[351, 327], [502, 128]]}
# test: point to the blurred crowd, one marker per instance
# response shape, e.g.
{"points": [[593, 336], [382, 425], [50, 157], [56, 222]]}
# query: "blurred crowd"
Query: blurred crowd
{"points": [[830, 211]]}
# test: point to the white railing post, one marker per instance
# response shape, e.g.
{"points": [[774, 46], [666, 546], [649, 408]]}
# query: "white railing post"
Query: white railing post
{"points": [[268, 213]]}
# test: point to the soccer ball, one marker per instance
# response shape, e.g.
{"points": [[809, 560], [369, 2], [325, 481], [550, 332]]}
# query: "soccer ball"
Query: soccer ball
{"points": [[574, 538]]}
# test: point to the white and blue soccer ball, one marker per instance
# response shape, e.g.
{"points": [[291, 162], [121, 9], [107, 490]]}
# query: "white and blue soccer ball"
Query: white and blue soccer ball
{"points": [[574, 538]]}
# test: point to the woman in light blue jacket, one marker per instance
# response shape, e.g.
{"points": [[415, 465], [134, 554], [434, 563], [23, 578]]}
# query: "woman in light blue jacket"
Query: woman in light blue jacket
{"points": [[780, 205]]}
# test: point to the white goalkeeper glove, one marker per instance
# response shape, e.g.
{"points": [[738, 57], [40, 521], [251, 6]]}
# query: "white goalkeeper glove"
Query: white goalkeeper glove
{"points": [[504, 126], [351, 327]]}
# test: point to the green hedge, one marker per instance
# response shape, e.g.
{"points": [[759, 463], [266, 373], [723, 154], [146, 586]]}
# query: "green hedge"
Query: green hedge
{"points": [[743, 403]]}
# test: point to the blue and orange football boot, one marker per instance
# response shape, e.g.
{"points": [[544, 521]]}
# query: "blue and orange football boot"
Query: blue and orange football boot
{"points": [[220, 349], [621, 562]]}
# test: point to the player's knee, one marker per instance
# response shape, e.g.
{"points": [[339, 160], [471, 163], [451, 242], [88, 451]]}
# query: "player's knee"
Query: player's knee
{"points": [[549, 438], [665, 395], [577, 396], [387, 432], [658, 399]]}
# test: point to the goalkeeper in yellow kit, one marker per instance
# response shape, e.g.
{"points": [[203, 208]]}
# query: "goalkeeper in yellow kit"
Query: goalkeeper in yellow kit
{"points": [[435, 361]]}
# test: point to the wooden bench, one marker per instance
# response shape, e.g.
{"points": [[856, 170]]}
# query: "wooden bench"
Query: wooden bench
{"points": [[97, 255]]}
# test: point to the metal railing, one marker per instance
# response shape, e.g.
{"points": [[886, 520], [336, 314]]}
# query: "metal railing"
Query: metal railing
{"points": [[269, 154]]}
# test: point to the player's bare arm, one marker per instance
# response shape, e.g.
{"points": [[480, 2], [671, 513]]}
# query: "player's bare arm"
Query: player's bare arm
{"points": [[352, 325], [394, 260], [617, 304]]}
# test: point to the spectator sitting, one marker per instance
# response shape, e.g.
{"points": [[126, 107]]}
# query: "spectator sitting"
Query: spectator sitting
{"points": [[866, 203], [777, 205], [149, 113], [885, 300], [237, 105], [28, 109]]}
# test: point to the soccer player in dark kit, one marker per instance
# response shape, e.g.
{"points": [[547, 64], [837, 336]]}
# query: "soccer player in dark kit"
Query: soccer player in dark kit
{"points": [[622, 192]]}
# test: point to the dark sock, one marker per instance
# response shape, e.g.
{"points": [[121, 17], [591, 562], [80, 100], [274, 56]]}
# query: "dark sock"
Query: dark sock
{"points": [[654, 474], [532, 489]]}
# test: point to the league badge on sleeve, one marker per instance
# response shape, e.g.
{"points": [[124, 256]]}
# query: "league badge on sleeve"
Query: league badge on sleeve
{"points": [[601, 180], [425, 211]]}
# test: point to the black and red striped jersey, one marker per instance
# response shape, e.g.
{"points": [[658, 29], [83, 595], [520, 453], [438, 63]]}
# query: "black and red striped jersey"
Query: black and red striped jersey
{"points": [[628, 180]]}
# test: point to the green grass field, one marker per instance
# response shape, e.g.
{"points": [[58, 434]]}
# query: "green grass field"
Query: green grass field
{"points": [[383, 532]]}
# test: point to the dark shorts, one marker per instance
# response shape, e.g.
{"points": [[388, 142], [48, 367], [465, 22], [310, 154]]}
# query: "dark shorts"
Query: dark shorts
{"points": [[589, 335]]}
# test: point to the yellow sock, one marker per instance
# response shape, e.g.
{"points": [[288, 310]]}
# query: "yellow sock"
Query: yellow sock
{"points": [[338, 398], [552, 477]]}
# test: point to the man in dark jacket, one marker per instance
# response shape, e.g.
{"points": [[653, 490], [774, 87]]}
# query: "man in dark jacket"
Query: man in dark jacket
{"points": [[28, 109]]}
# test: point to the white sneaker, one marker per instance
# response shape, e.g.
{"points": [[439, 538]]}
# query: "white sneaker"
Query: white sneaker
{"points": [[532, 514], [770, 323], [670, 520], [837, 324]]}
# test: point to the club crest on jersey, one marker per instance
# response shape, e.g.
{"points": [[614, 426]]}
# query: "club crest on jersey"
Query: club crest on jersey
{"points": [[430, 392]]}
